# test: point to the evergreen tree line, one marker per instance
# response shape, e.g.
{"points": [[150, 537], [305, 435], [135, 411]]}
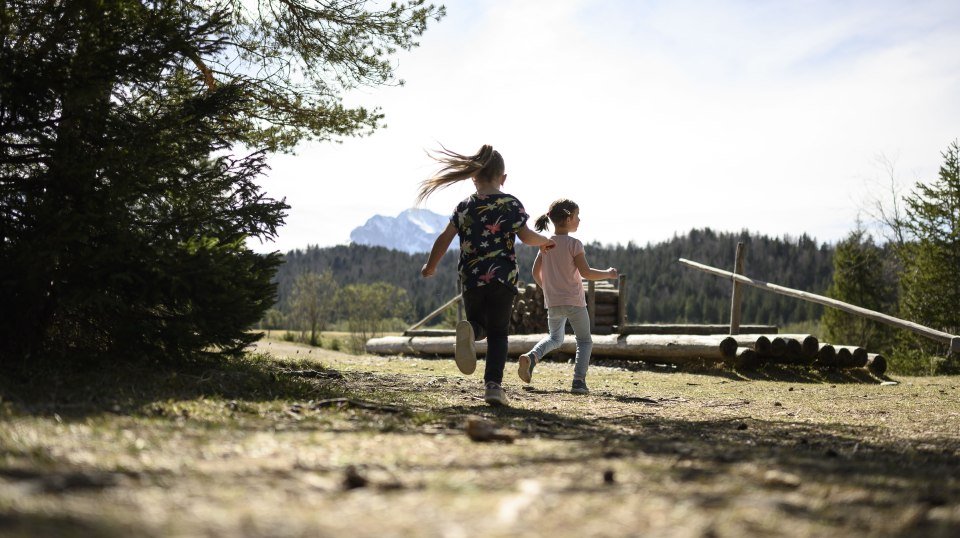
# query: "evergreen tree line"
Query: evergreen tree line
{"points": [[659, 288]]}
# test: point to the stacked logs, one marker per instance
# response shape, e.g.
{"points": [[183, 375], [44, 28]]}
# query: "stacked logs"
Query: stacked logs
{"points": [[800, 349], [530, 315]]}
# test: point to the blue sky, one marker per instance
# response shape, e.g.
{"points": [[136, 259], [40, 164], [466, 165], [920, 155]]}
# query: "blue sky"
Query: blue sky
{"points": [[656, 117]]}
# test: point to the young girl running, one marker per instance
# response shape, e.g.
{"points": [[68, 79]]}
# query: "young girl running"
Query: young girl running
{"points": [[559, 272], [487, 223]]}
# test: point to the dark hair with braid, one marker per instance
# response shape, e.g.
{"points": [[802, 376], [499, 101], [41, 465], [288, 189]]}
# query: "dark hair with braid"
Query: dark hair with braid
{"points": [[560, 210], [486, 165]]}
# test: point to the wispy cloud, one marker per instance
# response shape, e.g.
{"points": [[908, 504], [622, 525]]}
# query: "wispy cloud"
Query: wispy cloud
{"points": [[655, 116]]}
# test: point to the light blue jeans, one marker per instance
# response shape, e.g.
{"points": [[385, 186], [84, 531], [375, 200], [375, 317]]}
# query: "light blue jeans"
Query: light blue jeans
{"points": [[557, 317]]}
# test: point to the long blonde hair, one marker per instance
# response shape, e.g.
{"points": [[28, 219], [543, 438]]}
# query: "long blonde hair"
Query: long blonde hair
{"points": [[486, 165]]}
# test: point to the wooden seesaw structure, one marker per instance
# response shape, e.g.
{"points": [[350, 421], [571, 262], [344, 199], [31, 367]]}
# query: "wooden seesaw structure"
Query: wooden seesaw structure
{"points": [[734, 345]]}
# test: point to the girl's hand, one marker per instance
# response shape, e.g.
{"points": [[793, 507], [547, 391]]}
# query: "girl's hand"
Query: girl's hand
{"points": [[427, 271], [613, 273]]}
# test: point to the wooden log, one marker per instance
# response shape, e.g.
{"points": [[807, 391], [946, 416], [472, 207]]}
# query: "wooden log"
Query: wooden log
{"points": [[953, 341], [695, 329], [430, 332], [778, 346], [729, 347], [809, 344], [793, 348], [605, 309], [826, 356], [762, 345], [744, 359], [789, 351], [667, 348], [757, 342], [851, 356], [876, 363], [605, 321], [607, 296]]}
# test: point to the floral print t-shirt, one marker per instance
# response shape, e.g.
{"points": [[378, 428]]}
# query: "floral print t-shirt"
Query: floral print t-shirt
{"points": [[487, 225]]}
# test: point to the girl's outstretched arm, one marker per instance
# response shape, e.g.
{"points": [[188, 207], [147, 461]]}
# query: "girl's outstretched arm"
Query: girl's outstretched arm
{"points": [[538, 270], [534, 239], [440, 247], [589, 273]]}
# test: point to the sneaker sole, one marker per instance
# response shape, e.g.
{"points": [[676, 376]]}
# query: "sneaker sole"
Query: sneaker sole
{"points": [[579, 391], [496, 402], [524, 369], [465, 353]]}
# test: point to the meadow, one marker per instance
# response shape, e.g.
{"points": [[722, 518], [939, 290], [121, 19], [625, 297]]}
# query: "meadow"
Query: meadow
{"points": [[298, 441]]}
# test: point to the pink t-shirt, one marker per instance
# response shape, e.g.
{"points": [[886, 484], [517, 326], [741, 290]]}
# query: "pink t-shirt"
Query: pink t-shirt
{"points": [[562, 284]]}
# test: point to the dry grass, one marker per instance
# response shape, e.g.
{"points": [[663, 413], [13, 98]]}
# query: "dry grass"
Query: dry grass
{"points": [[275, 445]]}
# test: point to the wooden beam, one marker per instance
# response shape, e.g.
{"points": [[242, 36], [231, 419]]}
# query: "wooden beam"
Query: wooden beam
{"points": [[695, 328], [434, 314], [660, 347], [939, 336]]}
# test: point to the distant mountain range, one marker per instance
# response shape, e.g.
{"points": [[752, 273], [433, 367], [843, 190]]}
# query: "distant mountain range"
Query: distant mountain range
{"points": [[412, 231]]}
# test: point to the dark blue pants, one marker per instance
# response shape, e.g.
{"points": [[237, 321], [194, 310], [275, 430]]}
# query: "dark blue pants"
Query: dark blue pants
{"points": [[488, 309]]}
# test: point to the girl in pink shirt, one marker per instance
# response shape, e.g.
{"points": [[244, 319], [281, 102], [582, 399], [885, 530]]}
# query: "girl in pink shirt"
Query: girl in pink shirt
{"points": [[559, 272]]}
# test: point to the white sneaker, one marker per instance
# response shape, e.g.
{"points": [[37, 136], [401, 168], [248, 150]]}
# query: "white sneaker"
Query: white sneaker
{"points": [[525, 368], [465, 352], [494, 395]]}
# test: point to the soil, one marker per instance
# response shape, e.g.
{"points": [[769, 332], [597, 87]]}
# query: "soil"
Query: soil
{"points": [[332, 444]]}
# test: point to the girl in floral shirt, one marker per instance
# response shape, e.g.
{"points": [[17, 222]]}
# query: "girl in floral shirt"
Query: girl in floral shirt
{"points": [[487, 223]]}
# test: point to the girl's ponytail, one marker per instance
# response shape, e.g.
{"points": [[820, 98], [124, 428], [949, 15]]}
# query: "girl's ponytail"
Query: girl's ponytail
{"points": [[485, 165], [559, 211], [541, 223]]}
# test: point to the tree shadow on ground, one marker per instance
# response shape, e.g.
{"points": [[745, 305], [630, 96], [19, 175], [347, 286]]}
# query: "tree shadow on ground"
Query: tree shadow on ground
{"points": [[63, 526], [769, 371], [920, 472], [80, 390]]}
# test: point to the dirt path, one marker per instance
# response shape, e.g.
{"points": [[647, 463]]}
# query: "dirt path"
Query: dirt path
{"points": [[374, 446]]}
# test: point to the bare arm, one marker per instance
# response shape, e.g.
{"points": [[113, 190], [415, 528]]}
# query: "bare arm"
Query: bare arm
{"points": [[538, 270], [590, 273], [532, 238], [440, 247]]}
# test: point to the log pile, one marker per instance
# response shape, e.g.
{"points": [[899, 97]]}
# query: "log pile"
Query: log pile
{"points": [[799, 349], [529, 313], [744, 351]]}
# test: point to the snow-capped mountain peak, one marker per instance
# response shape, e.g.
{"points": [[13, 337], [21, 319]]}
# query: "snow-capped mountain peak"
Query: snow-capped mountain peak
{"points": [[413, 230]]}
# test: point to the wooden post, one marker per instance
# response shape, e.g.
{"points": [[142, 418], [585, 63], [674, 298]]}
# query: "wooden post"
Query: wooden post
{"points": [[736, 294], [621, 303], [940, 336]]}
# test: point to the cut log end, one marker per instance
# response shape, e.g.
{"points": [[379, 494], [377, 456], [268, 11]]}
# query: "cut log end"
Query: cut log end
{"points": [[876, 363]]}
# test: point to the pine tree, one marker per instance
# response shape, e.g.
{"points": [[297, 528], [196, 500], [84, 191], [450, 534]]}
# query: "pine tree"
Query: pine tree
{"points": [[930, 282], [124, 211], [860, 277]]}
